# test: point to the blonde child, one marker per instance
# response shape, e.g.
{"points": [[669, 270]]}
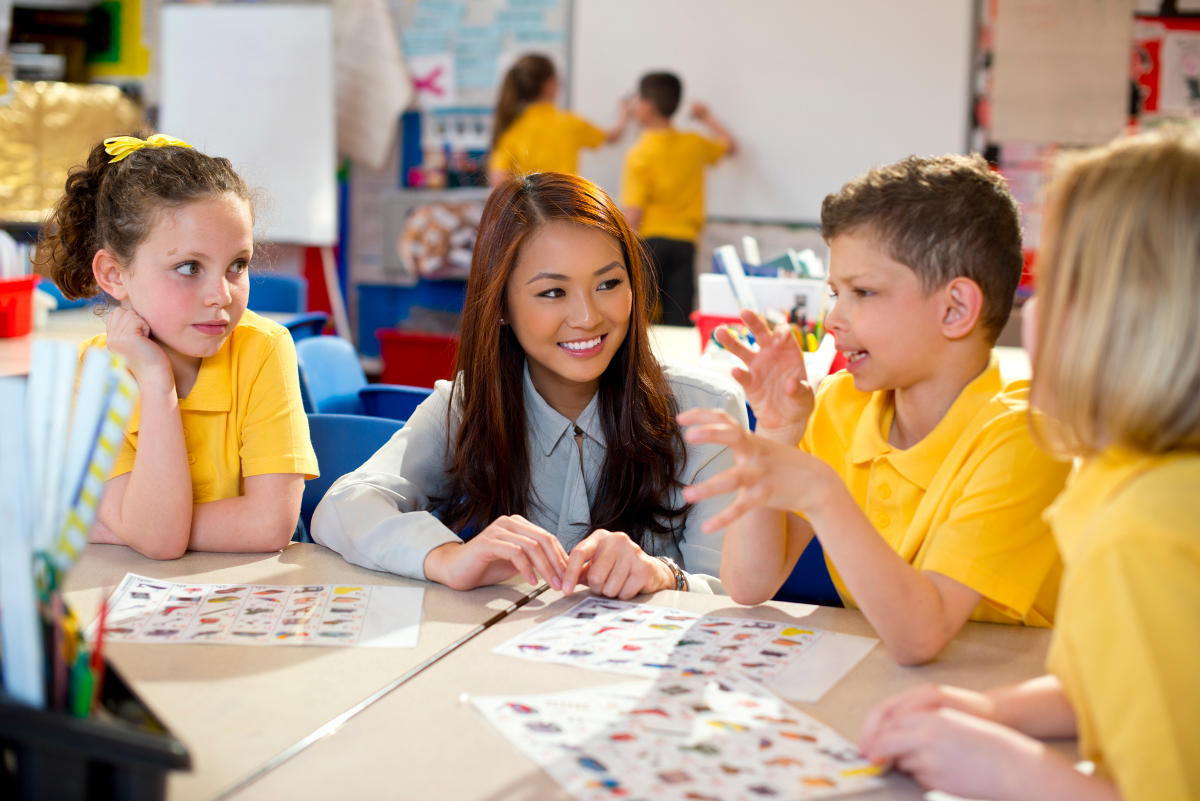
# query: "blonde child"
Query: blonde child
{"points": [[217, 452], [530, 133], [662, 187], [916, 469], [1115, 371]]}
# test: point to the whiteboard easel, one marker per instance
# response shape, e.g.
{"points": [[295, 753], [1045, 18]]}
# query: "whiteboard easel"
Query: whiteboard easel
{"points": [[255, 84]]}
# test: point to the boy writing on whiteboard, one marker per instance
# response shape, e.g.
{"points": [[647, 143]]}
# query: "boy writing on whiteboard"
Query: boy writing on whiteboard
{"points": [[662, 187]]}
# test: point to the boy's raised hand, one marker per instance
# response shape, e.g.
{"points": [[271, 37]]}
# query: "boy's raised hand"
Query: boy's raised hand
{"points": [[766, 473], [775, 381]]}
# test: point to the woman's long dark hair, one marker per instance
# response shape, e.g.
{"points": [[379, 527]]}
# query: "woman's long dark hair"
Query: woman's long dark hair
{"points": [[489, 469], [523, 84]]}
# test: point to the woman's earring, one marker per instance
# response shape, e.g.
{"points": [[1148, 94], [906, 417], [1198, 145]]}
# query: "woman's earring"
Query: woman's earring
{"points": [[503, 321]]}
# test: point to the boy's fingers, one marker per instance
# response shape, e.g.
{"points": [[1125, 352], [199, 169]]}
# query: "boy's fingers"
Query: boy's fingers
{"points": [[757, 325], [691, 417], [728, 515], [722, 483], [721, 434], [734, 345]]}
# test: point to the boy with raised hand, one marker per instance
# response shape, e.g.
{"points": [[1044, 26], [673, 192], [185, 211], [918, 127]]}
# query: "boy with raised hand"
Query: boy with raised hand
{"points": [[662, 187], [916, 467]]}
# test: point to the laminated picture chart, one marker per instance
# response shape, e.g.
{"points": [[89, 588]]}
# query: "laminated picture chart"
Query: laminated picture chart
{"points": [[143, 609], [798, 662], [693, 737]]}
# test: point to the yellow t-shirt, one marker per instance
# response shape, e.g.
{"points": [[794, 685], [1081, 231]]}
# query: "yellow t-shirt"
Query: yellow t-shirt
{"points": [[966, 501], [664, 177], [243, 417], [1126, 644], [544, 138]]}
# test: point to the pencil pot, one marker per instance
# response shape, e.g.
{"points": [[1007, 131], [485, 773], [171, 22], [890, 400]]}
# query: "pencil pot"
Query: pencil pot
{"points": [[16, 305], [122, 752]]}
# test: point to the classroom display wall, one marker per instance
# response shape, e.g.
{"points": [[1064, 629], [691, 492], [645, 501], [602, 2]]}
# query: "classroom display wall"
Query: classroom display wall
{"points": [[815, 92]]}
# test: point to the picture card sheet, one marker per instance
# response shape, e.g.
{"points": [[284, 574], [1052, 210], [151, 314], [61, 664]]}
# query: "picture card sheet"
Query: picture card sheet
{"points": [[143, 609], [798, 662], [686, 737]]}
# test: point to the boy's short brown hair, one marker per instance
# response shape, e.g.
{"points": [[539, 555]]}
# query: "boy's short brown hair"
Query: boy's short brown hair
{"points": [[944, 217], [661, 90]]}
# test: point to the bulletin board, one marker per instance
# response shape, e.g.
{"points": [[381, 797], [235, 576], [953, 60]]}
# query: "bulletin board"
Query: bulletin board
{"points": [[458, 50], [254, 83], [815, 91]]}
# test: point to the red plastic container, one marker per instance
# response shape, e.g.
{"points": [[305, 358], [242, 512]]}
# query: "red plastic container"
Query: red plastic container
{"points": [[16, 305], [414, 358], [707, 323]]}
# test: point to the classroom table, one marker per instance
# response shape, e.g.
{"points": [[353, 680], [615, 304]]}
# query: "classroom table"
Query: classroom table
{"points": [[236, 707], [426, 741]]}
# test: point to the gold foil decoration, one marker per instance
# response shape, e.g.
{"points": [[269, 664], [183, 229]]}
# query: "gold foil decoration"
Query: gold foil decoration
{"points": [[47, 129]]}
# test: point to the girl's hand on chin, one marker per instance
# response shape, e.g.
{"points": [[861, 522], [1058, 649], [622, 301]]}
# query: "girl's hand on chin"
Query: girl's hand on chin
{"points": [[128, 335]]}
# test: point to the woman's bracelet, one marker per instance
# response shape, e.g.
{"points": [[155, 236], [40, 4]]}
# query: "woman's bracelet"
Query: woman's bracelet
{"points": [[681, 582]]}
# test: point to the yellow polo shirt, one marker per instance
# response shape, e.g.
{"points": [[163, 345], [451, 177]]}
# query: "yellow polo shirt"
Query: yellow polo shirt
{"points": [[1126, 644], [966, 501], [243, 417], [544, 138], [664, 177]]}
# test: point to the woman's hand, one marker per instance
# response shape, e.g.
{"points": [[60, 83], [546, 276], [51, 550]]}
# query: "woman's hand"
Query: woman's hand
{"points": [[774, 380], [128, 335], [510, 545], [614, 566], [765, 472]]}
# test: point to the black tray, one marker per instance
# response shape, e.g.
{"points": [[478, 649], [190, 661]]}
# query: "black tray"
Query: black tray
{"points": [[122, 752]]}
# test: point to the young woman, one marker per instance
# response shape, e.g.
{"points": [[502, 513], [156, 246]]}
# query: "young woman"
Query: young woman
{"points": [[555, 452]]}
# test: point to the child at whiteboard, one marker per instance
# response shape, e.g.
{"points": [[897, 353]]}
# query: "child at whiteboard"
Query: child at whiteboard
{"points": [[217, 452], [1114, 348], [530, 133], [662, 187]]}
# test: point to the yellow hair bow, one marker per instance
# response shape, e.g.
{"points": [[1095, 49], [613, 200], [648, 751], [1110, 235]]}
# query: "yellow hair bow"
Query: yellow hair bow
{"points": [[121, 146]]}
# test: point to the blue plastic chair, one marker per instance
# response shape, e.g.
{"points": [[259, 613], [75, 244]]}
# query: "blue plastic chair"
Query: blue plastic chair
{"points": [[397, 401], [332, 381], [330, 375], [342, 443], [51, 289], [278, 292], [309, 324]]}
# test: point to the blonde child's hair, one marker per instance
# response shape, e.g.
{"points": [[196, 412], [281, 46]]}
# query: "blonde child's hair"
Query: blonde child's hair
{"points": [[1117, 361]]}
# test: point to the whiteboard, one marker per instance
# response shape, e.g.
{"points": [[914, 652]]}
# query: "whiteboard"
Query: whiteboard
{"points": [[255, 84], [815, 91]]}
